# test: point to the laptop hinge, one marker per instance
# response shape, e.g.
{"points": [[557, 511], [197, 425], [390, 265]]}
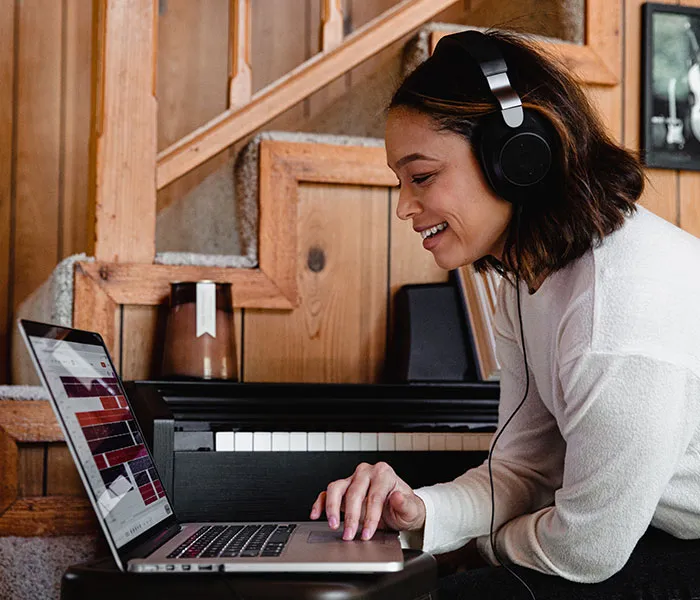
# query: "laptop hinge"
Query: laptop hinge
{"points": [[149, 546]]}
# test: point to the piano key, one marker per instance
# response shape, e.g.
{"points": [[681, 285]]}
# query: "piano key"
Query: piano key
{"points": [[403, 441], [262, 441], [386, 441], [421, 441], [316, 441], [280, 441], [297, 441], [368, 441], [472, 441], [436, 442], [453, 441], [485, 440], [334, 441], [337, 441], [351, 440], [243, 441], [224, 441]]}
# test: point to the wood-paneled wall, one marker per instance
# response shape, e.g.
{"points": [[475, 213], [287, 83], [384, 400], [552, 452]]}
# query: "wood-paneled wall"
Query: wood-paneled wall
{"points": [[45, 62], [45, 70]]}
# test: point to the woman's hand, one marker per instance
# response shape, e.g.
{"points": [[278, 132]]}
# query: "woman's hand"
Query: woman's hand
{"points": [[373, 496]]}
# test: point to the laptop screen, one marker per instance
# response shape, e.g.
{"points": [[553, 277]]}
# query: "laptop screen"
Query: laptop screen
{"points": [[107, 442]]}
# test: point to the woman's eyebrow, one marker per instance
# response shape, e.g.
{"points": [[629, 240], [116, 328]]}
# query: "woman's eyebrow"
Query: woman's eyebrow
{"points": [[411, 157]]}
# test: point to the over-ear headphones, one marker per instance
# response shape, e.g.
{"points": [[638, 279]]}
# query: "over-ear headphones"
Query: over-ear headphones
{"points": [[515, 146]]}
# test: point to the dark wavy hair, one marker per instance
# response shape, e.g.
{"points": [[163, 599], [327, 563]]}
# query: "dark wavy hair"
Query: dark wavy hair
{"points": [[597, 181]]}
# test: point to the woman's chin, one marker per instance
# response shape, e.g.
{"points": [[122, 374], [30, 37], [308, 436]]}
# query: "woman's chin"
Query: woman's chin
{"points": [[447, 264]]}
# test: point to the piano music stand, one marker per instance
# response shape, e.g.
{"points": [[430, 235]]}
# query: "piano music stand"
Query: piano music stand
{"points": [[101, 579]]}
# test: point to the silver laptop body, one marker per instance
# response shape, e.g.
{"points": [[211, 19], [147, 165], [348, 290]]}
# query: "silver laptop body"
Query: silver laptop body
{"points": [[120, 477]]}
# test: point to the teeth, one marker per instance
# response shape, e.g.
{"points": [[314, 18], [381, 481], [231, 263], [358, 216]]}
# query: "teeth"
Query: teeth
{"points": [[426, 233]]}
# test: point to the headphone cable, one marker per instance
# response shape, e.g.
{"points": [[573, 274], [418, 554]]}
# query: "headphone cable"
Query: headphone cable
{"points": [[527, 388]]}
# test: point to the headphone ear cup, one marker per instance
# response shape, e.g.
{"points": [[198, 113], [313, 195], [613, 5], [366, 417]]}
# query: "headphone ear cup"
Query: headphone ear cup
{"points": [[515, 161]]}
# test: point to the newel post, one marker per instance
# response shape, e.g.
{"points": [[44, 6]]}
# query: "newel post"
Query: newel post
{"points": [[123, 137]]}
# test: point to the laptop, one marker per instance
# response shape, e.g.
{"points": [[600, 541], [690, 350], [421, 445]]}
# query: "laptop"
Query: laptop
{"points": [[131, 505]]}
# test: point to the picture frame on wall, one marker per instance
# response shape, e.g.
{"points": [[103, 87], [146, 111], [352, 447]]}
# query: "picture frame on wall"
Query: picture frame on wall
{"points": [[670, 115]]}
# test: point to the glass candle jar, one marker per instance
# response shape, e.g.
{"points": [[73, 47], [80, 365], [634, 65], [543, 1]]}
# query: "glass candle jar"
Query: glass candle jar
{"points": [[200, 334]]}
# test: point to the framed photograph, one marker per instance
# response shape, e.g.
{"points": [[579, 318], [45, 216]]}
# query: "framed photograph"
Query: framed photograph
{"points": [[670, 115]]}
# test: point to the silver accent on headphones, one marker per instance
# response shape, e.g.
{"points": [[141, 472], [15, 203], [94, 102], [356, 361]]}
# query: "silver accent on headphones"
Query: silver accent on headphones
{"points": [[511, 106]]}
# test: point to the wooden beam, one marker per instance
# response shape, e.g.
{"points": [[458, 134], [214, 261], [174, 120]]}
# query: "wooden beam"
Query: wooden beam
{"points": [[124, 283], [241, 78], [331, 25], [123, 155], [315, 73], [8, 470], [688, 209], [49, 516], [7, 76], [27, 422], [93, 309], [77, 39], [101, 287], [597, 61]]}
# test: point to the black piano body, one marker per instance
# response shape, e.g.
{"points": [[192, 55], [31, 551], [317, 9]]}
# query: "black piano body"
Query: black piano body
{"points": [[230, 451]]}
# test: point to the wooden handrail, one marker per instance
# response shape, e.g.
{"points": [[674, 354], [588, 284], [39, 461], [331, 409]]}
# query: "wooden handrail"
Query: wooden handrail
{"points": [[234, 124]]}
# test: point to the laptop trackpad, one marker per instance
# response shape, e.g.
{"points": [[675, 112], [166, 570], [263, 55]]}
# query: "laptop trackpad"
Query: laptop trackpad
{"points": [[330, 536]]}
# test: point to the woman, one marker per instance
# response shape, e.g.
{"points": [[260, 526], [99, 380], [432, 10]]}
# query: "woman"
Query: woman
{"points": [[592, 487]]}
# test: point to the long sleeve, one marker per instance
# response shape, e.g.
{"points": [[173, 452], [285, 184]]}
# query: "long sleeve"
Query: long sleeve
{"points": [[627, 428], [526, 463], [607, 442]]}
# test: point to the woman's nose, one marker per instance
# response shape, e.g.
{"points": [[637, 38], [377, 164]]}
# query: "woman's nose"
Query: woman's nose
{"points": [[408, 206]]}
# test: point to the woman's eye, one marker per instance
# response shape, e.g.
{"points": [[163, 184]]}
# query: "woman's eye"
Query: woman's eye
{"points": [[420, 178]]}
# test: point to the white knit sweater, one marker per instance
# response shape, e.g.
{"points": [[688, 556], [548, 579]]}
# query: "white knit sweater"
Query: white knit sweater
{"points": [[607, 442]]}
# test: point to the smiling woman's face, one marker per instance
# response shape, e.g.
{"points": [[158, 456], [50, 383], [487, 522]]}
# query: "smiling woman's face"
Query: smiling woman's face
{"points": [[444, 188]]}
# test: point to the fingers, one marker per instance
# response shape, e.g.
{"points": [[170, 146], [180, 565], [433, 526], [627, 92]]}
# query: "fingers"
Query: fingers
{"points": [[318, 506], [334, 496], [355, 496], [364, 500], [383, 483]]}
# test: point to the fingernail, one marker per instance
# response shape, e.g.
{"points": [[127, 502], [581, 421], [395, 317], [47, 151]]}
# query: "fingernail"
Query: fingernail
{"points": [[333, 522], [349, 533], [366, 533]]}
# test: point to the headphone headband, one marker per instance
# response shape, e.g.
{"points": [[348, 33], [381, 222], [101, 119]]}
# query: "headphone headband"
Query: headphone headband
{"points": [[492, 64]]}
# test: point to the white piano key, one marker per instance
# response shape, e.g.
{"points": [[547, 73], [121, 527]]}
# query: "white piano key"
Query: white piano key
{"points": [[280, 441], [351, 441], [386, 441], [262, 441], [334, 441], [470, 441], [297, 441], [421, 441], [403, 441], [453, 441], [368, 441], [243, 441], [223, 442], [316, 441], [436, 442]]}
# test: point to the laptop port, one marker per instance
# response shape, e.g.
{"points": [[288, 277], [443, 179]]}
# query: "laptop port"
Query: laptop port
{"points": [[205, 568]]}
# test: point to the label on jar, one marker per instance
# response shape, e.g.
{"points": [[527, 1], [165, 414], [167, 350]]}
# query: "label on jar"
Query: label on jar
{"points": [[206, 309]]}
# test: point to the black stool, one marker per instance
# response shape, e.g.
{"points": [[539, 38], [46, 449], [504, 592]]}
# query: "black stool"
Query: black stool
{"points": [[100, 579]]}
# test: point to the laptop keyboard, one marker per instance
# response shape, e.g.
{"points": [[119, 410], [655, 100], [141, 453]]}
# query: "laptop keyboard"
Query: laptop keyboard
{"points": [[230, 541]]}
